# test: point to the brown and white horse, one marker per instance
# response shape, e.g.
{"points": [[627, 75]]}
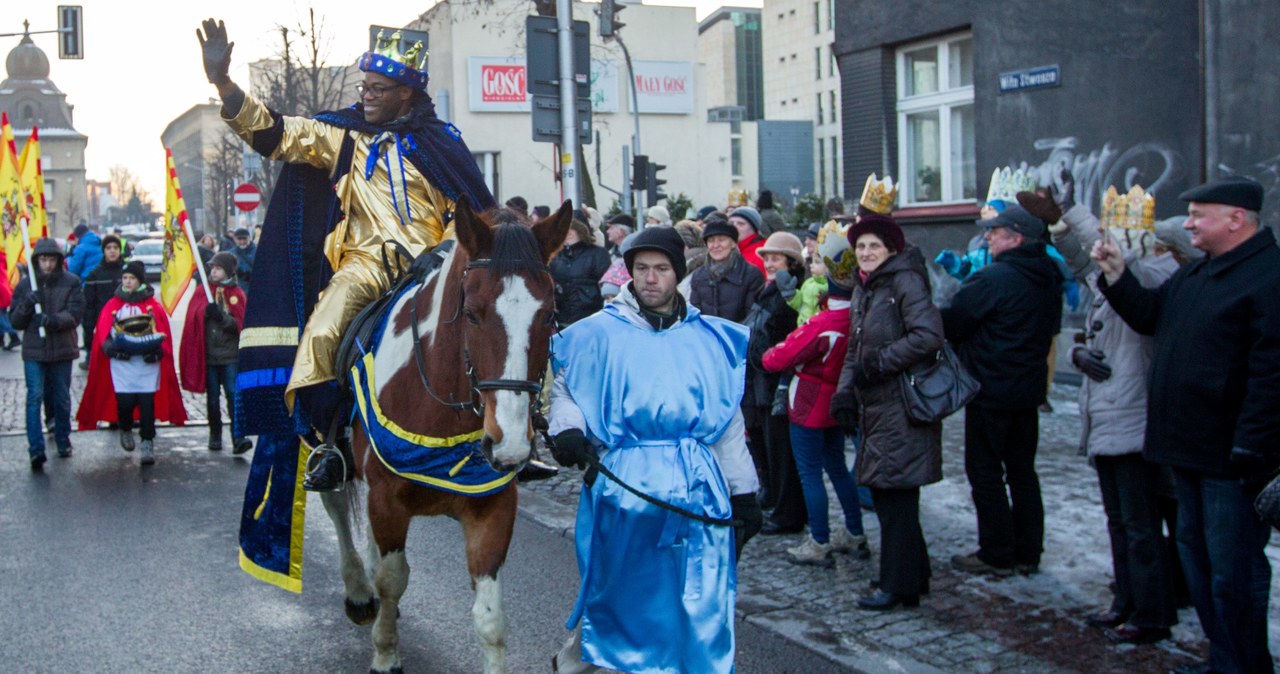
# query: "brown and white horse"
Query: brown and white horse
{"points": [[474, 360]]}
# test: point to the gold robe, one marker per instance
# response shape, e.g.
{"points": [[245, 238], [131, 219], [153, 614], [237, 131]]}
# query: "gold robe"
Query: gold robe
{"points": [[396, 205]]}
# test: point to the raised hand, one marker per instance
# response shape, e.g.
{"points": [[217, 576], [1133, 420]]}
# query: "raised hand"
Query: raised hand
{"points": [[216, 51], [1107, 254]]}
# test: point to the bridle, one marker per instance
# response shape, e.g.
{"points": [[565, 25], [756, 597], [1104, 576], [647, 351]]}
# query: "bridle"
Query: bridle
{"points": [[475, 403]]}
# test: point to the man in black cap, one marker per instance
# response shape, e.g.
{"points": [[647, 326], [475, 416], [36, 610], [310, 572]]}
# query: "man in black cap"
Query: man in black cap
{"points": [[680, 437], [1001, 322], [1213, 410], [619, 226], [246, 250]]}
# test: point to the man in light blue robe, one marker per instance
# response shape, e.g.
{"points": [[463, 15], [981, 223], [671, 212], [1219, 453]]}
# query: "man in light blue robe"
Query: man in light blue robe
{"points": [[654, 387]]}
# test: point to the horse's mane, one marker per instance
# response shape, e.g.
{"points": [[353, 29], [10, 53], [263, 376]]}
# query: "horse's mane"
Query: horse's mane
{"points": [[515, 249]]}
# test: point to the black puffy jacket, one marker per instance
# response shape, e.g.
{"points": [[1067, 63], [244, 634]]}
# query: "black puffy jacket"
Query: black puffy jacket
{"points": [[61, 300], [99, 286], [730, 297], [1002, 322], [577, 270]]}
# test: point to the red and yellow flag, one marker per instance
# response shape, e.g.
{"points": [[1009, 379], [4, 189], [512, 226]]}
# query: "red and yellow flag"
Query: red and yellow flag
{"points": [[179, 259], [12, 204], [33, 187]]}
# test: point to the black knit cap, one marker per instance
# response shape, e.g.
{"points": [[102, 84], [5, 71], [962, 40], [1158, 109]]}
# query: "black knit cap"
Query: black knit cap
{"points": [[1237, 191], [665, 240], [227, 261], [137, 269], [719, 227]]}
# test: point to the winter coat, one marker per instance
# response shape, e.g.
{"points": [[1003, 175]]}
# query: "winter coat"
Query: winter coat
{"points": [[86, 256], [1213, 382], [748, 247], [816, 350], [221, 342], [893, 326], [99, 287], [1002, 322], [771, 221], [62, 300], [1113, 412], [577, 270], [244, 261], [770, 321], [807, 301], [730, 297]]}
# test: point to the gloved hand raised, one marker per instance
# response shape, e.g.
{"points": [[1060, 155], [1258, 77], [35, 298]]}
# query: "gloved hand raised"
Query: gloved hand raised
{"points": [[1065, 195], [216, 51], [949, 260], [786, 283], [1090, 362], [573, 449]]}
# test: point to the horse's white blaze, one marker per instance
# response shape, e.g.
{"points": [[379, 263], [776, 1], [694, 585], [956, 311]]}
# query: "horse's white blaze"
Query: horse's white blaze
{"points": [[517, 307], [396, 349], [490, 624]]}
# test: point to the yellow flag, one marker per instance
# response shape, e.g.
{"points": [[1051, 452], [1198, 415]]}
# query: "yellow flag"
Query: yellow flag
{"points": [[33, 187], [12, 205], [179, 259]]}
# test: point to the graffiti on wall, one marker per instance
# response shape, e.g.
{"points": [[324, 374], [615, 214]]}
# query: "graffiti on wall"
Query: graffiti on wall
{"points": [[1152, 165]]}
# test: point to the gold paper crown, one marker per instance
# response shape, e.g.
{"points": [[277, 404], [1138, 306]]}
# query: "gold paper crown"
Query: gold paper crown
{"points": [[879, 195], [739, 198], [1006, 183], [1135, 210], [833, 246], [414, 57]]}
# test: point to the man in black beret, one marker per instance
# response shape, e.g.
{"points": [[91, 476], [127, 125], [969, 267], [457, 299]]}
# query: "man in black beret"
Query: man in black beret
{"points": [[1213, 409]]}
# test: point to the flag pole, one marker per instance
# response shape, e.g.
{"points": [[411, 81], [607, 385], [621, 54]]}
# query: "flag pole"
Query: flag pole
{"points": [[31, 270], [195, 253]]}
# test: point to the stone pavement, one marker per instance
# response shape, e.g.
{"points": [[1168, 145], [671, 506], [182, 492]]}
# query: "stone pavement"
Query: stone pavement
{"points": [[967, 624]]}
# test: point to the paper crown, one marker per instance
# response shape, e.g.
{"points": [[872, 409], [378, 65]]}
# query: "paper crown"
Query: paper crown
{"points": [[833, 247], [1006, 183], [739, 198], [879, 195], [1134, 210], [406, 66]]}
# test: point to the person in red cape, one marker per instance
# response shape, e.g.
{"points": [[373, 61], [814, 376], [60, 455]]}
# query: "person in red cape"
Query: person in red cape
{"points": [[124, 359], [211, 345]]}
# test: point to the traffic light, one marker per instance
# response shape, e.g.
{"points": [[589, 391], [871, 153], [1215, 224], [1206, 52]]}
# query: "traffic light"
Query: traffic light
{"points": [[609, 23], [70, 32], [654, 183], [639, 171]]}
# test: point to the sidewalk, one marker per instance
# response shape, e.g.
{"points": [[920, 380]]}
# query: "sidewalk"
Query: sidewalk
{"points": [[966, 625]]}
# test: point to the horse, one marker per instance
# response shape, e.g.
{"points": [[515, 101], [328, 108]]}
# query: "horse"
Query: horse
{"points": [[462, 356]]}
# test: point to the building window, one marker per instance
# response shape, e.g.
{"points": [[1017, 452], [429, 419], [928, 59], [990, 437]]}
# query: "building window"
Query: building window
{"points": [[935, 121], [817, 62], [735, 152], [817, 19], [831, 65], [831, 14], [835, 166], [831, 95], [822, 167], [819, 109]]}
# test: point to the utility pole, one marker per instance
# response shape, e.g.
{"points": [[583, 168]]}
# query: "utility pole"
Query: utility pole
{"points": [[568, 104]]}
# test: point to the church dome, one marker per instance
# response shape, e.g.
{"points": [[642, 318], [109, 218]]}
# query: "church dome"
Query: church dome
{"points": [[27, 61]]}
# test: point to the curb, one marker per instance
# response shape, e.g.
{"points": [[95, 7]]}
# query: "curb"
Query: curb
{"points": [[792, 625]]}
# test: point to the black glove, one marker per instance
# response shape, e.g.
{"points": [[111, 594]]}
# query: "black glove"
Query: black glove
{"points": [[430, 261], [1090, 362], [44, 321], [746, 509], [844, 409], [572, 448], [213, 312], [786, 283], [1066, 195], [216, 51], [109, 348], [151, 358], [1254, 468]]}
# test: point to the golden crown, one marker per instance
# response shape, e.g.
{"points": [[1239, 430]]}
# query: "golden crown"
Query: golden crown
{"points": [[1006, 183], [833, 247], [415, 56], [879, 195], [407, 66], [739, 198], [1134, 210]]}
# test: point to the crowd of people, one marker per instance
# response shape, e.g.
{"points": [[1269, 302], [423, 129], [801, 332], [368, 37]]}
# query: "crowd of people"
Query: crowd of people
{"points": [[96, 294]]}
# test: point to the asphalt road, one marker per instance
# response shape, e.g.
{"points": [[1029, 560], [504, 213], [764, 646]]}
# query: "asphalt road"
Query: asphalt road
{"points": [[109, 567]]}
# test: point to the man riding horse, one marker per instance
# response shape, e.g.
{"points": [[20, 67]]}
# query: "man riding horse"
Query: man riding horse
{"points": [[396, 170]]}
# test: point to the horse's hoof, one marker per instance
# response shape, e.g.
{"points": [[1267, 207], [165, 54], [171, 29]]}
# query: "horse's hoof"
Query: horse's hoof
{"points": [[394, 670], [361, 614]]}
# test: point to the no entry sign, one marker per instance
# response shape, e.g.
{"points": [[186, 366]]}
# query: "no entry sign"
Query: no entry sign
{"points": [[247, 197]]}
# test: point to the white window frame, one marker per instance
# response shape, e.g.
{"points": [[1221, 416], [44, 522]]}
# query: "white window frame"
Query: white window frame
{"points": [[942, 101]]}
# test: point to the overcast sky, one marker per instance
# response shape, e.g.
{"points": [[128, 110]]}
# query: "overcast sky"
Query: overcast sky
{"points": [[142, 61]]}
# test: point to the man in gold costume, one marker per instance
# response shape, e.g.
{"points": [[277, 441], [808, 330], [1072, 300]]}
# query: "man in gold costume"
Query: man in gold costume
{"points": [[396, 169]]}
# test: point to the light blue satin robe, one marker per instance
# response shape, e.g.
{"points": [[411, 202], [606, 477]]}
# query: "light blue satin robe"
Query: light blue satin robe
{"points": [[658, 589]]}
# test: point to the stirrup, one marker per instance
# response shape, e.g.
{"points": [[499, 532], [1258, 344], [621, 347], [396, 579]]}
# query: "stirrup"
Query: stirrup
{"points": [[315, 460]]}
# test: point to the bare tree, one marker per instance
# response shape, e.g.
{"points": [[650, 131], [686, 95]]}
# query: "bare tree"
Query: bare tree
{"points": [[222, 171], [125, 184]]}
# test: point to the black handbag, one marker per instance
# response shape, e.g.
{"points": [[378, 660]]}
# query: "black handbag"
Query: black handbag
{"points": [[935, 389]]}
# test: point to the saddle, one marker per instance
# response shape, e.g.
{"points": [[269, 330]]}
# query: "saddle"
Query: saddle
{"points": [[359, 336]]}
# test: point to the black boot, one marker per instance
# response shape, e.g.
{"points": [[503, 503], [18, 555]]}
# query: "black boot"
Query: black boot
{"points": [[329, 471]]}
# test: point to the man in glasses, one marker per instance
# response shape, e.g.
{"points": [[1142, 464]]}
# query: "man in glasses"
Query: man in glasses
{"points": [[395, 171]]}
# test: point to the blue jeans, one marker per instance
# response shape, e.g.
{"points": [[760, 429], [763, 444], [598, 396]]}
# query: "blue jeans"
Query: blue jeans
{"points": [[6, 328], [1221, 541], [224, 377], [49, 382], [816, 449]]}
